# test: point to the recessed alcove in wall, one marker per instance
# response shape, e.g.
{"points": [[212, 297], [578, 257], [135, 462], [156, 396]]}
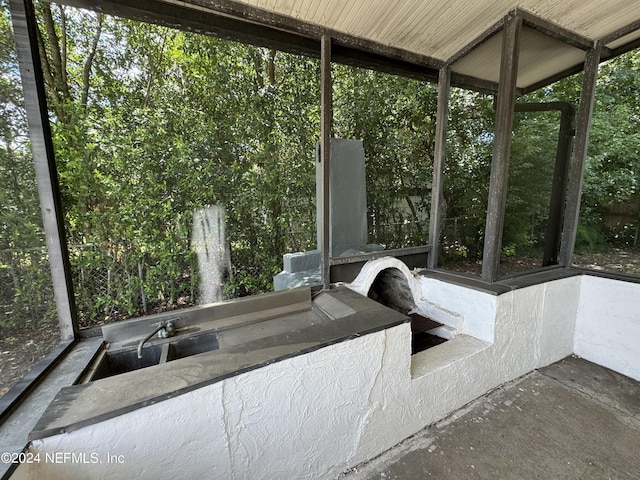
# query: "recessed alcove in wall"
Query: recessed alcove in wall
{"points": [[391, 288]]}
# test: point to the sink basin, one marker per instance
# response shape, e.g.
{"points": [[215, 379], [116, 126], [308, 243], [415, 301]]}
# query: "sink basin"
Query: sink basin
{"points": [[191, 345], [126, 359], [121, 361]]}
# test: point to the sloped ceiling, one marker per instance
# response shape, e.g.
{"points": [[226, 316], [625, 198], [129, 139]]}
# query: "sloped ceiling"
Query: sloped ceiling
{"points": [[411, 37], [442, 29]]}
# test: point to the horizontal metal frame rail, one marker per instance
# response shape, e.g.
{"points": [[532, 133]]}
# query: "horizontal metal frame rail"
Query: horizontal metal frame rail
{"points": [[364, 257], [414, 257], [237, 21], [10, 400], [246, 24], [554, 30]]}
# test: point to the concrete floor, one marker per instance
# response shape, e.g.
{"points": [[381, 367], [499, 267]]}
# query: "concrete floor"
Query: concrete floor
{"points": [[571, 420]]}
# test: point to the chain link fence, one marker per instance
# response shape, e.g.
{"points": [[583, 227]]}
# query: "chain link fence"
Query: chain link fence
{"points": [[26, 291], [461, 239], [115, 281], [462, 242]]}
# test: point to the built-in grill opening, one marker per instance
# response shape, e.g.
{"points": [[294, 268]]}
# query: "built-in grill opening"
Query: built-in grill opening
{"points": [[391, 288]]}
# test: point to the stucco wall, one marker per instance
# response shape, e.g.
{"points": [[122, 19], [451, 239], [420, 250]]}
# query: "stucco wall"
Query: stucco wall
{"points": [[315, 415], [608, 324], [469, 311]]}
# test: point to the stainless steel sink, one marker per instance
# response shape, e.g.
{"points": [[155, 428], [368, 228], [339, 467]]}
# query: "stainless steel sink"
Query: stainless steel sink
{"points": [[115, 362], [191, 345], [198, 329]]}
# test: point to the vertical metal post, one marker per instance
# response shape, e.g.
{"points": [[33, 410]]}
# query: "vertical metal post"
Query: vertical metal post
{"points": [[560, 173], [578, 161], [325, 154], [25, 30], [559, 186], [501, 146], [439, 158]]}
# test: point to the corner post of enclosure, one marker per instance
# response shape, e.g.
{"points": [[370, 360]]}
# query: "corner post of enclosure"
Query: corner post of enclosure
{"points": [[559, 185], [325, 155], [506, 100], [439, 158], [25, 32], [578, 160]]}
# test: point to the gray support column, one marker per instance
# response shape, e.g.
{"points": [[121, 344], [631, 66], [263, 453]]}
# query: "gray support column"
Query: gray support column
{"points": [[559, 185], [581, 142], [501, 147], [325, 154], [25, 28], [439, 158]]}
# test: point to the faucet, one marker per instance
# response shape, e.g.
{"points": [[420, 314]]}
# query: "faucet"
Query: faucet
{"points": [[164, 330]]}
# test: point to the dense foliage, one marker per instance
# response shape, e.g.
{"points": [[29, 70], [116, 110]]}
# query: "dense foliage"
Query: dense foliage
{"points": [[25, 280], [151, 124]]}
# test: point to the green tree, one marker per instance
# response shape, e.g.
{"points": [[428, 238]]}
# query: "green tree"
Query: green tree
{"points": [[613, 165], [395, 119], [466, 176], [25, 281], [151, 123]]}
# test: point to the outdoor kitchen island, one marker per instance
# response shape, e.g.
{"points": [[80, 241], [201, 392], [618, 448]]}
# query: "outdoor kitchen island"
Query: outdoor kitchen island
{"points": [[314, 401]]}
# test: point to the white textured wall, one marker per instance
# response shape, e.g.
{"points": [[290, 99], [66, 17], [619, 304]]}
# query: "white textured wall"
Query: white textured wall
{"points": [[608, 324], [315, 415], [536, 326], [469, 311]]}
